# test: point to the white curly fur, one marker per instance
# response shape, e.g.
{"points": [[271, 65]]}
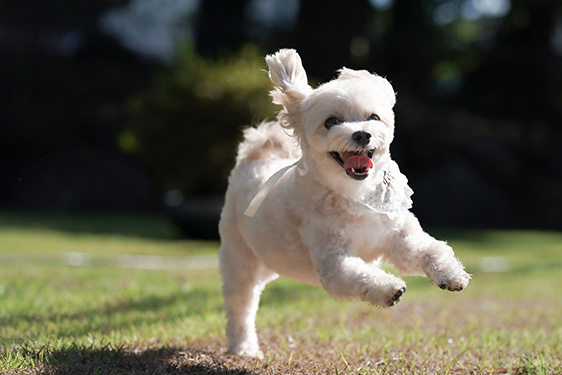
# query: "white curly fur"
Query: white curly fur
{"points": [[312, 227]]}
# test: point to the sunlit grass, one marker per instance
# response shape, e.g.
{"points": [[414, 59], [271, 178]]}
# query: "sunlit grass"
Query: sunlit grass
{"points": [[51, 313]]}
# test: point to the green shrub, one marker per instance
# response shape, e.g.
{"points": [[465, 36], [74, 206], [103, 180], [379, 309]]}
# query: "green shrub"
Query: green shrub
{"points": [[186, 125]]}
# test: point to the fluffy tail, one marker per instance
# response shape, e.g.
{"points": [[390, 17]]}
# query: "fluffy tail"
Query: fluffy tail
{"points": [[268, 141]]}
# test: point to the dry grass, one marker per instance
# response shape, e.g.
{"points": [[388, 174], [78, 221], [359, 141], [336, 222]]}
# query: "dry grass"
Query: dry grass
{"points": [[320, 358], [470, 336]]}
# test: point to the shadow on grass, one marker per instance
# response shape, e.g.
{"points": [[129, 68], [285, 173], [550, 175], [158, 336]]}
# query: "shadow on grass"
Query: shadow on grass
{"points": [[114, 315], [169, 361]]}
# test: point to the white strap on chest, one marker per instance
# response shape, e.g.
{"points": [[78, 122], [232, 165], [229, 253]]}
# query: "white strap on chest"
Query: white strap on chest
{"points": [[270, 183]]}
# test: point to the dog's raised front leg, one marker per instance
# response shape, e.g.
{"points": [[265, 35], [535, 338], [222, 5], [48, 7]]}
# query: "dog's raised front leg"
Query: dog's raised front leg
{"points": [[416, 252], [347, 276], [244, 278]]}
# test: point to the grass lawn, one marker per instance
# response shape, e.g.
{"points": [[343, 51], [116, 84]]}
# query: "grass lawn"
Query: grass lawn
{"points": [[93, 294]]}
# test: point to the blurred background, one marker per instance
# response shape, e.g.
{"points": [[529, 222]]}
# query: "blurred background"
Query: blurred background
{"points": [[136, 106]]}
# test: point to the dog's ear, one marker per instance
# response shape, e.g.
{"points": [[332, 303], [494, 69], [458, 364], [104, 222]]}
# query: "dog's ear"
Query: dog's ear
{"points": [[345, 73], [290, 85]]}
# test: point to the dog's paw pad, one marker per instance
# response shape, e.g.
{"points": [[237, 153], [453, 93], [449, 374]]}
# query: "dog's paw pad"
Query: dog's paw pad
{"points": [[450, 276], [455, 285], [396, 297]]}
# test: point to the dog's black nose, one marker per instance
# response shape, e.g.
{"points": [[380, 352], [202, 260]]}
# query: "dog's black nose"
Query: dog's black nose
{"points": [[361, 137]]}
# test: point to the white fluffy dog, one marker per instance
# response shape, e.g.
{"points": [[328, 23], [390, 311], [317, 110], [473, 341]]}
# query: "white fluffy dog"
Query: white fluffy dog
{"points": [[316, 197]]}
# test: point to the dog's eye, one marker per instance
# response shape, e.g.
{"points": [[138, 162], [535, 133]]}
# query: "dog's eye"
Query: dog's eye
{"points": [[331, 122], [374, 117]]}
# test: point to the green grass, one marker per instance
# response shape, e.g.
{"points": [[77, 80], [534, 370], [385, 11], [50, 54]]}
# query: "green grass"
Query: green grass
{"points": [[69, 305]]}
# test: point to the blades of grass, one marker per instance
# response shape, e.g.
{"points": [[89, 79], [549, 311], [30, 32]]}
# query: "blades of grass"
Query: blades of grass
{"points": [[345, 363], [270, 358], [290, 358], [344, 360], [454, 360], [413, 365]]}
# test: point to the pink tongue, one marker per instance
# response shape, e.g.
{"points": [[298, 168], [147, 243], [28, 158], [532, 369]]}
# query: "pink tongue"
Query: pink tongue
{"points": [[358, 162]]}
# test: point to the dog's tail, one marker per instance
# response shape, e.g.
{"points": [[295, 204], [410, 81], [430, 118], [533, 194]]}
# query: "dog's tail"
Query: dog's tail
{"points": [[267, 141]]}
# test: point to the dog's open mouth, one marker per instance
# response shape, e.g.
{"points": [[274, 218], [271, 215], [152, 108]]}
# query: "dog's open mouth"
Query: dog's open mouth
{"points": [[357, 165]]}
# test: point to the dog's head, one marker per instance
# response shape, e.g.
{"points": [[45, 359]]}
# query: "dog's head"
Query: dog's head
{"points": [[344, 126]]}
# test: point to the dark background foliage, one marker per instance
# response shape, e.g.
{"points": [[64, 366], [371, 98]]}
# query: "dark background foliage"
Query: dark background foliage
{"points": [[137, 105]]}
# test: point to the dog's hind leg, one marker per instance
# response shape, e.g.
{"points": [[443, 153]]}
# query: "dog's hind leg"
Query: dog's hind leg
{"points": [[244, 278]]}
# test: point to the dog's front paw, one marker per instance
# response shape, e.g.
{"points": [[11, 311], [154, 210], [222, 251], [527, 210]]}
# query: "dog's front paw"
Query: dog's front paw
{"points": [[450, 276], [455, 283], [387, 295], [396, 297]]}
